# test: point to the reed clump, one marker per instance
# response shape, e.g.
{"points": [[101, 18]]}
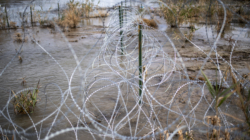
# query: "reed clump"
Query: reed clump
{"points": [[86, 8], [2, 22], [71, 16], [13, 25], [20, 60], [179, 13], [19, 38], [176, 13], [25, 102], [75, 10], [150, 22]]}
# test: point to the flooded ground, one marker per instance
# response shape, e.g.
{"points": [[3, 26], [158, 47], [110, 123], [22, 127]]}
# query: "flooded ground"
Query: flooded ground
{"points": [[106, 82]]}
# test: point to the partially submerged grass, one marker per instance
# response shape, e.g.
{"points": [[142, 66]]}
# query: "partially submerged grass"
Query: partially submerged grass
{"points": [[191, 33], [13, 25], [2, 23], [71, 16], [70, 19], [23, 81], [86, 8], [180, 13], [173, 14], [19, 38], [75, 10], [20, 59], [25, 102], [150, 22]]}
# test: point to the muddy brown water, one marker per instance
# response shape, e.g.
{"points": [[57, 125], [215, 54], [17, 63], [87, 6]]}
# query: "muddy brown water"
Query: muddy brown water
{"points": [[37, 64]]}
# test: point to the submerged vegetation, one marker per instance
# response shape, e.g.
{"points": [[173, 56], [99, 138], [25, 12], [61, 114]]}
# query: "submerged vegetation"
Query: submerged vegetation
{"points": [[180, 12], [71, 16], [150, 22], [25, 102], [18, 37]]}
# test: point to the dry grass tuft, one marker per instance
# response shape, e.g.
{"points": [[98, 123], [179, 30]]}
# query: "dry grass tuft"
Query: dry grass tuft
{"points": [[2, 23], [13, 25], [180, 135], [165, 135], [214, 121], [20, 59], [18, 38], [150, 22], [71, 16], [18, 34], [189, 135]]}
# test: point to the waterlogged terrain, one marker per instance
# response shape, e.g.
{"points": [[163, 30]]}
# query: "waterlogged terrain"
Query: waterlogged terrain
{"points": [[89, 76]]}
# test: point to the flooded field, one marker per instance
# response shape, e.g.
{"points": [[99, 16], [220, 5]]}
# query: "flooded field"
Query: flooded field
{"points": [[86, 80]]}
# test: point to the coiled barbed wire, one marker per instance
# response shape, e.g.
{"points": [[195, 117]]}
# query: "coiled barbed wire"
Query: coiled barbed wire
{"points": [[112, 79]]}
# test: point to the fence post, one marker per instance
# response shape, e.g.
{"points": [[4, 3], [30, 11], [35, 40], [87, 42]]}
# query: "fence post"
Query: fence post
{"points": [[121, 21], [58, 11], [31, 20], [125, 11], [7, 17], [140, 63]]}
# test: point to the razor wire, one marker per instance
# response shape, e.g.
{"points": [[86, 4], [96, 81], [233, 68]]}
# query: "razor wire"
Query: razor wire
{"points": [[114, 73]]}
